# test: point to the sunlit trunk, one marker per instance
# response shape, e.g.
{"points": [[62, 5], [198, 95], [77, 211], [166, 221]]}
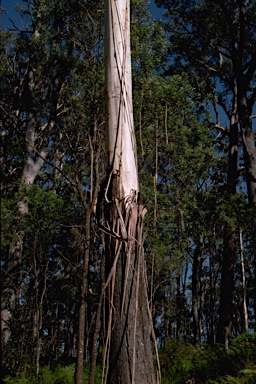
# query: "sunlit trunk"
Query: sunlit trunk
{"points": [[128, 352], [245, 312]]}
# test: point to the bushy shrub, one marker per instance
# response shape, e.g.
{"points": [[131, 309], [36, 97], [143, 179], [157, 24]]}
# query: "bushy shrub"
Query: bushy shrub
{"points": [[182, 362], [58, 375]]}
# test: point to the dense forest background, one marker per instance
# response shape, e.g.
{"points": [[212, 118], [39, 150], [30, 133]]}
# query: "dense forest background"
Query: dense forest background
{"points": [[194, 99]]}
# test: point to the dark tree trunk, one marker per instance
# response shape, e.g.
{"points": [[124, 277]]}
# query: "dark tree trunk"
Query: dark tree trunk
{"points": [[178, 307], [196, 292], [229, 246], [211, 335], [130, 349], [83, 302], [227, 286], [248, 140], [97, 325], [131, 332]]}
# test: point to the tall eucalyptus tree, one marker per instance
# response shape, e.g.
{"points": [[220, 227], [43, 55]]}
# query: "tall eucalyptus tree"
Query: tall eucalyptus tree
{"points": [[128, 352]]}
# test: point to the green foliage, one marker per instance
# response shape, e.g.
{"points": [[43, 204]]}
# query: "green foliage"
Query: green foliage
{"points": [[61, 375], [58, 375], [175, 122], [245, 376], [181, 361]]}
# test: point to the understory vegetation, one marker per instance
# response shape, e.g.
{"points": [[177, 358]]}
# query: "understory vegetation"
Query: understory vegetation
{"points": [[180, 362]]}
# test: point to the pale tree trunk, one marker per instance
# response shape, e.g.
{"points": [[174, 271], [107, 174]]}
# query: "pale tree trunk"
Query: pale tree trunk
{"points": [[31, 168], [128, 350], [211, 333], [38, 316], [245, 312], [155, 216]]}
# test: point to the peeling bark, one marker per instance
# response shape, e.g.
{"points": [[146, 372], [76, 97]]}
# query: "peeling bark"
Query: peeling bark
{"points": [[128, 345], [128, 351]]}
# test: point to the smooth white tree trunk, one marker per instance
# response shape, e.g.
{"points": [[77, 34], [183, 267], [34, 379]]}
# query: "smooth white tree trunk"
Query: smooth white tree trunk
{"points": [[121, 143]]}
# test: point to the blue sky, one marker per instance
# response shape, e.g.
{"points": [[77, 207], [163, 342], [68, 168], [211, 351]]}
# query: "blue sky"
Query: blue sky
{"points": [[12, 14], [9, 5]]}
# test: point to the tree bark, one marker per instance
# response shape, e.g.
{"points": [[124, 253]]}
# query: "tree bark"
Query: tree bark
{"points": [[248, 140], [97, 326], [83, 301], [128, 352], [245, 86], [129, 343], [227, 287], [196, 292], [212, 288], [245, 326], [224, 328]]}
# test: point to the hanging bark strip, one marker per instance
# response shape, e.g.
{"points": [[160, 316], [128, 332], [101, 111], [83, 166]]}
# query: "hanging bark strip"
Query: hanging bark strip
{"points": [[128, 350], [128, 347]]}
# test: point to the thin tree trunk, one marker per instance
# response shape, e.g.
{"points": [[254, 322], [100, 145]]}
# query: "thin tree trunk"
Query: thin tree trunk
{"points": [[140, 125], [97, 325], [224, 328], [178, 307], [245, 312], [196, 292], [83, 299], [88, 209], [155, 216], [211, 338], [38, 319]]}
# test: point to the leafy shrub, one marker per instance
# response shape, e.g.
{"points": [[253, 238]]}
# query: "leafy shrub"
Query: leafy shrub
{"points": [[205, 364], [58, 375]]}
